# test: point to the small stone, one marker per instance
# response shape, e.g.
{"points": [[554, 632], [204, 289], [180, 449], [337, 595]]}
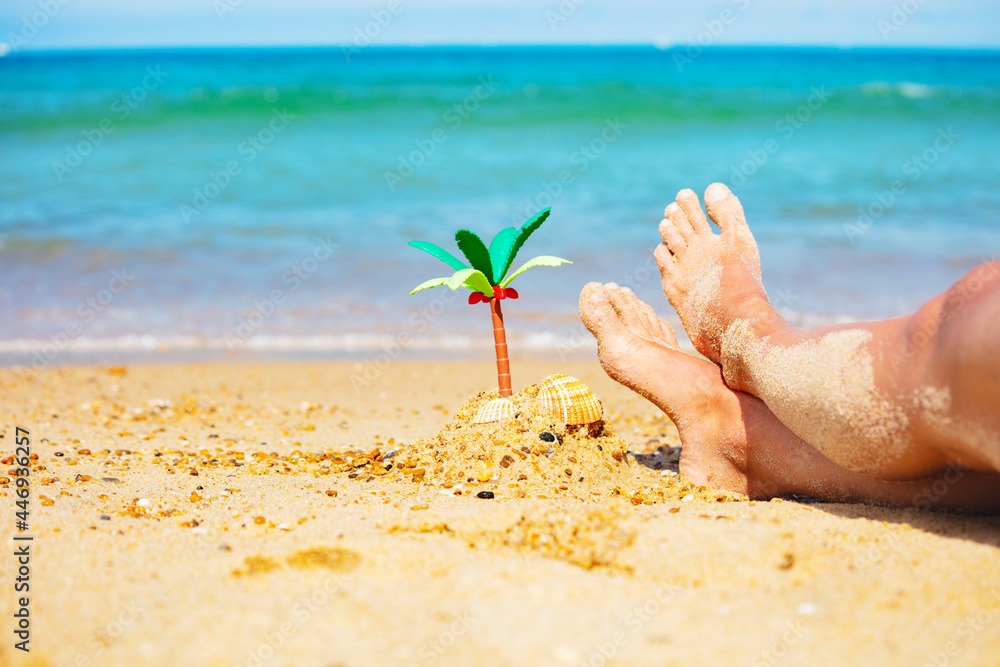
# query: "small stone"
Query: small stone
{"points": [[485, 495], [331, 492], [111, 480], [144, 502], [688, 498], [105, 517], [545, 436], [506, 461]]}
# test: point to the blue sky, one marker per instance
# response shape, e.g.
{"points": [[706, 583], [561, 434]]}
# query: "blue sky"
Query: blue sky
{"points": [[45, 24]]}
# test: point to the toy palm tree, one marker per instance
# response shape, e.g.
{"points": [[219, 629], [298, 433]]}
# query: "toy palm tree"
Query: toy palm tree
{"points": [[487, 276]]}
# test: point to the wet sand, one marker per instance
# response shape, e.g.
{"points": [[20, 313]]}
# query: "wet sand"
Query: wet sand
{"points": [[235, 535]]}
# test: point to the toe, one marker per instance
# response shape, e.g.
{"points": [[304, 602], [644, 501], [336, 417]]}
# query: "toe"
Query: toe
{"points": [[667, 264], [597, 313], [647, 319], [724, 207], [631, 300], [667, 333], [676, 216], [669, 276], [619, 299], [691, 208], [665, 260], [630, 310], [672, 237], [658, 328]]}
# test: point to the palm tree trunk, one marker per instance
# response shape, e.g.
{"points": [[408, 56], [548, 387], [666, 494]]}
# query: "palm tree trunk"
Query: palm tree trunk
{"points": [[500, 338]]}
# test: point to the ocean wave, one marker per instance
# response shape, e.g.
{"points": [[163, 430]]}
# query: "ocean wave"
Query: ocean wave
{"points": [[565, 341], [150, 343], [425, 84], [908, 89]]}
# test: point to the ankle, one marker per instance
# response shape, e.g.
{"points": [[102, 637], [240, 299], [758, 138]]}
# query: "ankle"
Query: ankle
{"points": [[758, 422], [763, 318], [758, 322]]}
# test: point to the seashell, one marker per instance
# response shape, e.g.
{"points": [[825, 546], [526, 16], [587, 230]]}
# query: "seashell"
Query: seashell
{"points": [[569, 400], [494, 411]]}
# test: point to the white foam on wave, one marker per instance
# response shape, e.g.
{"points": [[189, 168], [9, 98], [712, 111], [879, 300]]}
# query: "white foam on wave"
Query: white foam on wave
{"points": [[570, 339], [909, 89], [149, 343]]}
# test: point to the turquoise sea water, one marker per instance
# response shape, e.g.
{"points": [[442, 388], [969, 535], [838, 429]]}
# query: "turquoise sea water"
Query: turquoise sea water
{"points": [[265, 197]]}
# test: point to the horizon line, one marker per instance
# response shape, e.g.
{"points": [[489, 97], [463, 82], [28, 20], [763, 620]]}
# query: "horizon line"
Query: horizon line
{"points": [[5, 50]]}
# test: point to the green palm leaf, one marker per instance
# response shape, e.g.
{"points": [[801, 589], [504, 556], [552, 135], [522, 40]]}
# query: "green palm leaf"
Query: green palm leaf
{"points": [[471, 278], [541, 260], [527, 229], [440, 253], [475, 251], [433, 282], [513, 245], [500, 248]]}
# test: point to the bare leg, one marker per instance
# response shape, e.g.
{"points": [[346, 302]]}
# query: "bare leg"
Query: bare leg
{"points": [[731, 440], [897, 399]]}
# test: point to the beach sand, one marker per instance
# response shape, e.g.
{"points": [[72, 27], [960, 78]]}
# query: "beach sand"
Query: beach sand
{"points": [[187, 558]]}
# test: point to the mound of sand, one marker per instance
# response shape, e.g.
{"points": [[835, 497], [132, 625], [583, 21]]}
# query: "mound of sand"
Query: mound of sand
{"points": [[531, 456]]}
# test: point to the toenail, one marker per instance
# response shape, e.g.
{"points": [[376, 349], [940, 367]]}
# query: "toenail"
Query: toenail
{"points": [[716, 191], [672, 208]]}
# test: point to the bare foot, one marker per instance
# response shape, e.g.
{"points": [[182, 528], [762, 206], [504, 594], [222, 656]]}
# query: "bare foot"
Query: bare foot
{"points": [[861, 393], [710, 279], [730, 439], [639, 350]]}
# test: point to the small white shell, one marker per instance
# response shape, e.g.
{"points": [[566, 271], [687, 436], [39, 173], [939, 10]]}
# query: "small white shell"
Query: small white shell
{"points": [[569, 400], [494, 411]]}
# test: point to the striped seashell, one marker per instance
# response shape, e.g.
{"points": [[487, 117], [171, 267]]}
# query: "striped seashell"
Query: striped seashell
{"points": [[494, 411], [569, 400]]}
